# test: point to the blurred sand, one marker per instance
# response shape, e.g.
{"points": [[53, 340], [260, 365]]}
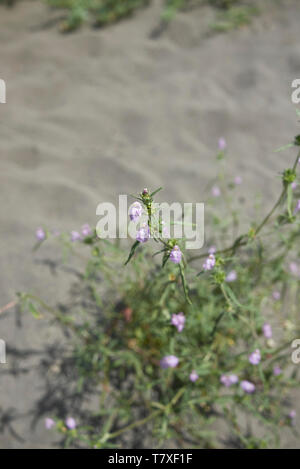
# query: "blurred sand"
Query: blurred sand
{"points": [[98, 113]]}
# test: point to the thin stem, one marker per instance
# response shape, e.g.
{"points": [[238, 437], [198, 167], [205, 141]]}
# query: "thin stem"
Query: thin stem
{"points": [[149, 417], [241, 241], [281, 197], [135, 424]]}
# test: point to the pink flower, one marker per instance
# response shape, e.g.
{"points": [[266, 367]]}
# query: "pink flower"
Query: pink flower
{"points": [[212, 250], [209, 262], [135, 211], [292, 414], [86, 230], [216, 191], [70, 423], [40, 234], [222, 144], [193, 376], [75, 236], [143, 234], [228, 380], [277, 370], [178, 321], [255, 357], [276, 295], [297, 208], [165, 230], [267, 330], [169, 361], [247, 386], [49, 423], [294, 268], [238, 180], [175, 255], [294, 185], [231, 276]]}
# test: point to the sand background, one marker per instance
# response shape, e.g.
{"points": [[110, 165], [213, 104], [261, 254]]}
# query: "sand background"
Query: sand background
{"points": [[97, 113]]}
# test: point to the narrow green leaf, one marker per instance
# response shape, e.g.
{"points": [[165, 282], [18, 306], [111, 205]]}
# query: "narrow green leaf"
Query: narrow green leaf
{"points": [[133, 248]]}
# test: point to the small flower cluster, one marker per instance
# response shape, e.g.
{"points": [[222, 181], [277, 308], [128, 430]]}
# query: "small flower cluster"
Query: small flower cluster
{"points": [[86, 231], [209, 262], [229, 380], [70, 423]]}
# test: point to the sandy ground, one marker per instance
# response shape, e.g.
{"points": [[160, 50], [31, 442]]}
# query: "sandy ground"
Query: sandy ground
{"points": [[97, 113]]}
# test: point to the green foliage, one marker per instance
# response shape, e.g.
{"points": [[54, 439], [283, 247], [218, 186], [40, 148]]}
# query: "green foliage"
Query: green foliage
{"points": [[105, 12], [234, 17], [122, 329], [223, 3]]}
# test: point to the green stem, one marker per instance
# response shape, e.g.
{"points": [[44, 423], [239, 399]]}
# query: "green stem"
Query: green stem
{"points": [[135, 424], [149, 417], [241, 241]]}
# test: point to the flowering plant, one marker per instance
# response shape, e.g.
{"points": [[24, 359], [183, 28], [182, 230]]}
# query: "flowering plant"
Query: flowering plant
{"points": [[174, 346]]}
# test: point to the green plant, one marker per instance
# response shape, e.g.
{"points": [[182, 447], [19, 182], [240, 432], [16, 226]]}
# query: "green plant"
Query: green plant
{"points": [[104, 12], [234, 18], [172, 344]]}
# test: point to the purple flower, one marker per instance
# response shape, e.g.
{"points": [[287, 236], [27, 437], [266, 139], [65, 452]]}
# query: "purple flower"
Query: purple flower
{"points": [[231, 276], [216, 191], [212, 249], [40, 234], [143, 234], [178, 321], [297, 208], [222, 144], [228, 380], [209, 262], [247, 386], [294, 185], [71, 423], [135, 211], [49, 423], [86, 230], [164, 230], [255, 357], [292, 414], [75, 236], [175, 255], [193, 376], [169, 361], [276, 295], [267, 330], [238, 180], [294, 268], [277, 370]]}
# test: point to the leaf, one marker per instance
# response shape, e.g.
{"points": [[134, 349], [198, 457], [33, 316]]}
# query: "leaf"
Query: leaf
{"points": [[285, 147], [133, 248], [165, 258], [184, 284], [155, 192], [159, 252], [289, 200], [232, 295], [34, 311]]}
